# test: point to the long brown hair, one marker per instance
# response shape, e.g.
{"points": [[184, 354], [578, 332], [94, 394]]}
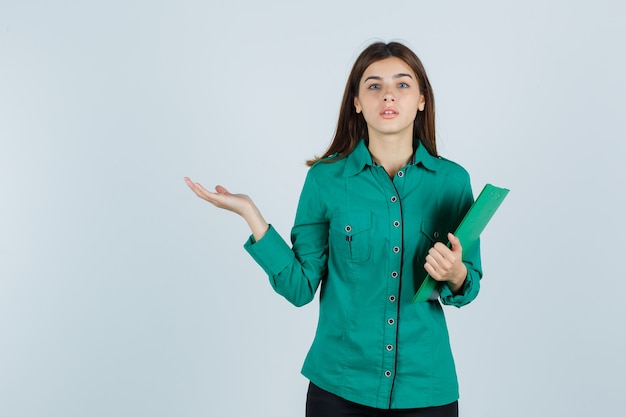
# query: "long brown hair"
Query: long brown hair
{"points": [[351, 126]]}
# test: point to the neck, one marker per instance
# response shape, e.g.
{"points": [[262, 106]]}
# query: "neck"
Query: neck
{"points": [[392, 153]]}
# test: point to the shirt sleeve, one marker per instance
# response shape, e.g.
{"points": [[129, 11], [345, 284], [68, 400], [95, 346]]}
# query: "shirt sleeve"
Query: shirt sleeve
{"points": [[471, 259], [471, 286], [295, 272]]}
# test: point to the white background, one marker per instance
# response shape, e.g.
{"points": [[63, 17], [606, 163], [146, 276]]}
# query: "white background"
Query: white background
{"points": [[122, 294]]}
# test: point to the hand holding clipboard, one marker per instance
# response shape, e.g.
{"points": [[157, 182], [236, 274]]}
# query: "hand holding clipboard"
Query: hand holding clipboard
{"points": [[468, 231]]}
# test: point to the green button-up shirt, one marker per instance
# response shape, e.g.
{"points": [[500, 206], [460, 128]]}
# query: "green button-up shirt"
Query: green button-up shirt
{"points": [[364, 237]]}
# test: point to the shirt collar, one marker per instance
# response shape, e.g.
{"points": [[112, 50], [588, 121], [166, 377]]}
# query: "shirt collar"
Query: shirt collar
{"points": [[360, 157], [426, 159]]}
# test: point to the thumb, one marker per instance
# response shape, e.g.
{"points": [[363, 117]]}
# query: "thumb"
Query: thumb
{"points": [[221, 190], [455, 243]]}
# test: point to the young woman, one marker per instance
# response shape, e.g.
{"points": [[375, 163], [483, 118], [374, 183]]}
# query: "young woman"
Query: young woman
{"points": [[372, 222]]}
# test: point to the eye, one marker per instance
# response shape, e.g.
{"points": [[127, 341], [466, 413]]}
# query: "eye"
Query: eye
{"points": [[373, 87], [403, 85]]}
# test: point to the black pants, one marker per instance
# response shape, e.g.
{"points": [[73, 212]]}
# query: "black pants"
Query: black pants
{"points": [[320, 403]]}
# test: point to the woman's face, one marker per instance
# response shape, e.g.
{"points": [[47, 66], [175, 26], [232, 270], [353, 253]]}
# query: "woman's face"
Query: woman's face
{"points": [[389, 98]]}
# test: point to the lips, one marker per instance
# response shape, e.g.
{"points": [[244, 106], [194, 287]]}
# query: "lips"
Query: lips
{"points": [[389, 113]]}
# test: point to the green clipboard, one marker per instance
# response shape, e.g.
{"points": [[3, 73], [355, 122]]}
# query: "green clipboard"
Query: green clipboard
{"points": [[468, 231]]}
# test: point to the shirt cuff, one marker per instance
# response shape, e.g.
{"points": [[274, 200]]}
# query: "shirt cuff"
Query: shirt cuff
{"points": [[271, 252], [466, 294]]}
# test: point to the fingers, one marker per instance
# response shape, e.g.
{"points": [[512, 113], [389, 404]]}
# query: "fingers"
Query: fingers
{"points": [[443, 263], [188, 182], [202, 192], [438, 260], [222, 198], [430, 269], [195, 186], [441, 254]]}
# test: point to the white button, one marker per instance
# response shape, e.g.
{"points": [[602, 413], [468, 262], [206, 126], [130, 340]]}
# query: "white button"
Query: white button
{"points": [[389, 348], [392, 298], [400, 173], [391, 322], [394, 274], [387, 374], [436, 234], [394, 199], [348, 228], [396, 249], [396, 223]]}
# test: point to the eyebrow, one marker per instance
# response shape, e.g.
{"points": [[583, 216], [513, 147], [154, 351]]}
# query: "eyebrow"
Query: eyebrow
{"points": [[378, 78]]}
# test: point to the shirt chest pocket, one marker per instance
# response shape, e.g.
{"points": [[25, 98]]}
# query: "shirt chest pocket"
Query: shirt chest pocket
{"points": [[350, 236], [433, 233]]}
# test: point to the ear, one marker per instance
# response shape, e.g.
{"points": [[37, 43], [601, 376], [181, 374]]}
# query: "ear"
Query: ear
{"points": [[422, 103], [357, 105]]}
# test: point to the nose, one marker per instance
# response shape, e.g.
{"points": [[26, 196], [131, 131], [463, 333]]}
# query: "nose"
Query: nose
{"points": [[389, 97]]}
